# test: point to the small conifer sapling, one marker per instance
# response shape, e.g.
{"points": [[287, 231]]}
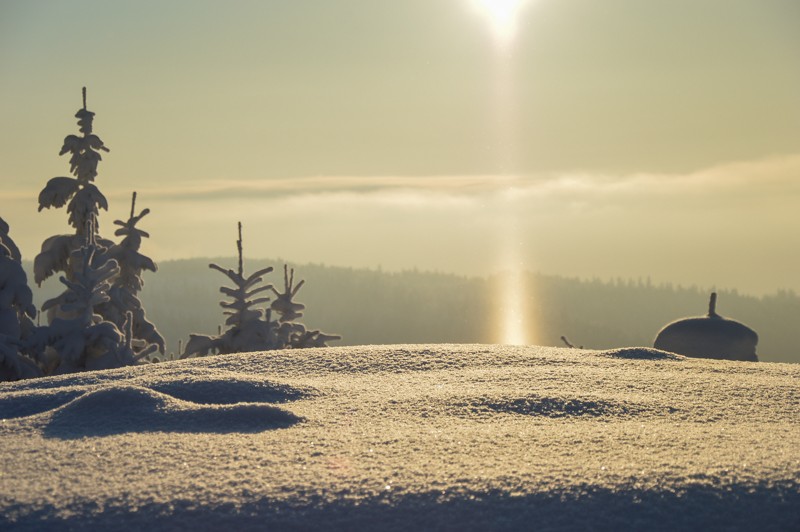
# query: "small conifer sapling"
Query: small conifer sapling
{"points": [[125, 288], [246, 330], [293, 334]]}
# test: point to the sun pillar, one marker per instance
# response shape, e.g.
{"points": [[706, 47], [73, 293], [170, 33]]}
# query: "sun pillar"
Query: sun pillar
{"points": [[511, 292]]}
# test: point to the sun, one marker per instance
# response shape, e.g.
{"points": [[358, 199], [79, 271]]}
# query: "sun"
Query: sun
{"points": [[502, 17]]}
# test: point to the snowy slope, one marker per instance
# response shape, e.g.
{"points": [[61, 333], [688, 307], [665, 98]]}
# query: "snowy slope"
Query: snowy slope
{"points": [[404, 437]]}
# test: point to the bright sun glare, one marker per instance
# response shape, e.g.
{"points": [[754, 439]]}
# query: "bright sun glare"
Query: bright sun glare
{"points": [[502, 16]]}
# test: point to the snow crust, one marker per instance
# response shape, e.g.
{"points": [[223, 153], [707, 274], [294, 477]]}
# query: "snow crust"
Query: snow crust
{"points": [[436, 437]]}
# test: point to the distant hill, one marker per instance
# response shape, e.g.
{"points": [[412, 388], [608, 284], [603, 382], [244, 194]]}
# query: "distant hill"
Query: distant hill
{"points": [[376, 307]]}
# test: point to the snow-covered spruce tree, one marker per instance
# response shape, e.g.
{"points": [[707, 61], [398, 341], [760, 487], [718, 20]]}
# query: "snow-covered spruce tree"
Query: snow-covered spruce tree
{"points": [[246, 330], [84, 340], [84, 201], [82, 198], [16, 313], [125, 287], [250, 329], [5, 240], [292, 334]]}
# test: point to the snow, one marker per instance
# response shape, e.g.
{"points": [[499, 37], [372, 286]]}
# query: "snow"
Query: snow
{"points": [[443, 437], [124, 409]]}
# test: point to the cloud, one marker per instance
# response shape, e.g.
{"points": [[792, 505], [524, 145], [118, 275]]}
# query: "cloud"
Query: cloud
{"points": [[328, 185], [777, 175], [766, 177]]}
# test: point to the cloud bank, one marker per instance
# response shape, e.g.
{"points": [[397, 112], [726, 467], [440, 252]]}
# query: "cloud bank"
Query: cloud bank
{"points": [[729, 225], [775, 176]]}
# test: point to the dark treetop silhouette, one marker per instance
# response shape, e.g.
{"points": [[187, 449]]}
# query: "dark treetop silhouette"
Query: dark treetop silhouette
{"points": [[710, 336]]}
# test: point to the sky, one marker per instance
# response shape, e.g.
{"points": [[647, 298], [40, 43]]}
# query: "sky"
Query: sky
{"points": [[605, 139]]}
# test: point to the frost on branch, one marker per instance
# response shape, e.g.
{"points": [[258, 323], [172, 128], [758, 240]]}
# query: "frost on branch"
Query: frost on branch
{"points": [[78, 338], [56, 252], [16, 313], [134, 348], [123, 294]]}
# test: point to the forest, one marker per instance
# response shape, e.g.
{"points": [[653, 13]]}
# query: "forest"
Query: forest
{"points": [[371, 306]]}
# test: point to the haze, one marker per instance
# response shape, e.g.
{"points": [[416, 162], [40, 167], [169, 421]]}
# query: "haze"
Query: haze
{"points": [[614, 139]]}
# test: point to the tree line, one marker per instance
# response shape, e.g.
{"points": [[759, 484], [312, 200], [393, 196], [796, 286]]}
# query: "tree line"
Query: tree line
{"points": [[369, 306]]}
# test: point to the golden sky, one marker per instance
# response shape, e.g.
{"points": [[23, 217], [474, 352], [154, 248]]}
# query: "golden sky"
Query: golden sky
{"points": [[614, 139]]}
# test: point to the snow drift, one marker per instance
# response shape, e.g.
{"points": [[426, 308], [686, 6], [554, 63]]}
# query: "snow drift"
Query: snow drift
{"points": [[401, 437]]}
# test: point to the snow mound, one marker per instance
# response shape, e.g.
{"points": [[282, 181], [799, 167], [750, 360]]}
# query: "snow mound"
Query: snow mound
{"points": [[641, 353], [195, 385], [125, 408], [403, 437], [230, 390], [21, 404], [88, 378], [559, 407]]}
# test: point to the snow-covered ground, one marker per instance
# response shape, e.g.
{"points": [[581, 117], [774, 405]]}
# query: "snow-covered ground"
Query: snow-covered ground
{"points": [[405, 437]]}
